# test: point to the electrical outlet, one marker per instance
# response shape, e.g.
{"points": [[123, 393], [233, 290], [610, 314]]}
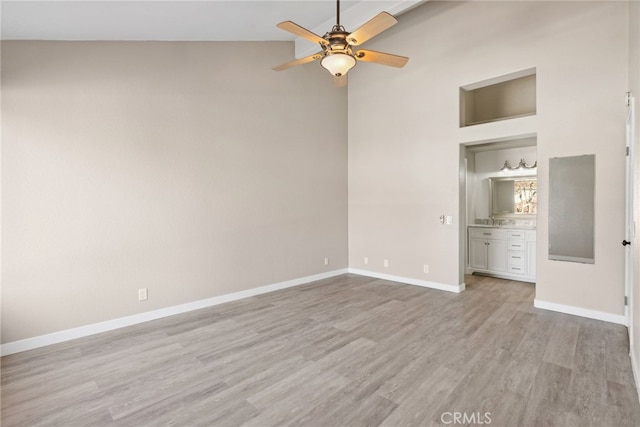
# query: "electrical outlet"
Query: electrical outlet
{"points": [[326, 261], [425, 268], [449, 219], [142, 294], [386, 263], [366, 260]]}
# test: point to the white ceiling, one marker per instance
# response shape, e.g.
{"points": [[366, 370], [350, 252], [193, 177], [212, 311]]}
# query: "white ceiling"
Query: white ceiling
{"points": [[235, 20]]}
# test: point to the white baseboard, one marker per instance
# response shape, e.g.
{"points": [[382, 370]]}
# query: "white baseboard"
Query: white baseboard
{"points": [[109, 325], [583, 312], [634, 368], [409, 281]]}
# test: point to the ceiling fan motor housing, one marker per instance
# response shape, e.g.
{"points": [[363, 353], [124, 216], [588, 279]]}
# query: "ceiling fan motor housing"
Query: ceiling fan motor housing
{"points": [[336, 41]]}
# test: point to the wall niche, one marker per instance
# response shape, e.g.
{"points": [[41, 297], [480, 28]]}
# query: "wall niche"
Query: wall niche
{"points": [[500, 98]]}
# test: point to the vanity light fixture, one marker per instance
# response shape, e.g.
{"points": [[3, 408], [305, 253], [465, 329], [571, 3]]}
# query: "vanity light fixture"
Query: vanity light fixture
{"points": [[522, 165]]}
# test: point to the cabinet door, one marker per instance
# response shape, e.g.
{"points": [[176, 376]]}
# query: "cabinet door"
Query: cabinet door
{"points": [[497, 255], [478, 254], [531, 259]]}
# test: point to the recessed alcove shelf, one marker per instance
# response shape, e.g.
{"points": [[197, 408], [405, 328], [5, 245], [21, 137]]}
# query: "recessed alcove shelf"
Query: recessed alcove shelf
{"points": [[500, 98]]}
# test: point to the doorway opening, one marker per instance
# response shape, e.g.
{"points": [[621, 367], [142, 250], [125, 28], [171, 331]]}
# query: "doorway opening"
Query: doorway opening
{"points": [[498, 208]]}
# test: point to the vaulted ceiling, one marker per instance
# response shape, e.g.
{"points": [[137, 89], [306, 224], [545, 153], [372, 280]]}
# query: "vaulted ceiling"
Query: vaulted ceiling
{"points": [[237, 20]]}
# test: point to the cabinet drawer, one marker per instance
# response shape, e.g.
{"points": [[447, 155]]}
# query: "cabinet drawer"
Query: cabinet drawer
{"points": [[516, 245], [516, 269], [516, 235], [516, 258], [486, 233]]}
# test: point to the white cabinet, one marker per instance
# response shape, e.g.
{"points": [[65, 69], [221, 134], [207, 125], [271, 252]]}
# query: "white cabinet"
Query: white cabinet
{"points": [[478, 254], [496, 255], [487, 250], [505, 253]]}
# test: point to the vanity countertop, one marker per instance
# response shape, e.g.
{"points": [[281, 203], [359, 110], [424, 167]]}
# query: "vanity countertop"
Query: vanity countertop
{"points": [[507, 226]]}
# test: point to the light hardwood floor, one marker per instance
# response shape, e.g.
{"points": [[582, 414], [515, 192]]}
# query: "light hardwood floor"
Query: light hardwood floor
{"points": [[347, 351]]}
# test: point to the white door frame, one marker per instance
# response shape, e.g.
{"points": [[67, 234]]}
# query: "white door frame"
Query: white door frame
{"points": [[629, 222]]}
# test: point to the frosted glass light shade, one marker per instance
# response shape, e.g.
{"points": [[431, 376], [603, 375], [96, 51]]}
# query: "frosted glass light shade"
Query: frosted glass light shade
{"points": [[338, 64]]}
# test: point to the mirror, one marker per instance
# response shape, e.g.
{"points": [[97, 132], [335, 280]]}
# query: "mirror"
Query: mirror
{"points": [[515, 196]]}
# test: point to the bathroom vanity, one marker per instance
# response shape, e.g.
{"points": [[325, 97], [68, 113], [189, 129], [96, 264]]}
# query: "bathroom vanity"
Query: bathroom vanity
{"points": [[504, 252]]}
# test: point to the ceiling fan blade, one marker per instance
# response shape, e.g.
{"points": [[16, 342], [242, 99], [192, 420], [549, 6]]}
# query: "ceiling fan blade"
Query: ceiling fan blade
{"points": [[297, 62], [340, 81], [299, 31], [381, 58], [372, 28]]}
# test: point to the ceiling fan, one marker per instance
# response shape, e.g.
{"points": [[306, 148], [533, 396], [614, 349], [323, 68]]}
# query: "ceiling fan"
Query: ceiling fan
{"points": [[337, 54]]}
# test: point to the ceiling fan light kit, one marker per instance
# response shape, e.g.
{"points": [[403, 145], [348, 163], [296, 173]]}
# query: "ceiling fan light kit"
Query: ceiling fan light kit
{"points": [[338, 64], [337, 55]]}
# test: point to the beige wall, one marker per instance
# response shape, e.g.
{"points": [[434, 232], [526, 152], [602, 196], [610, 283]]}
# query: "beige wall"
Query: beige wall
{"points": [[404, 133], [191, 169]]}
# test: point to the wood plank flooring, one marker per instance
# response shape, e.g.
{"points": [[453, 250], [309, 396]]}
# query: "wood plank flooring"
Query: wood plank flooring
{"points": [[347, 351]]}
